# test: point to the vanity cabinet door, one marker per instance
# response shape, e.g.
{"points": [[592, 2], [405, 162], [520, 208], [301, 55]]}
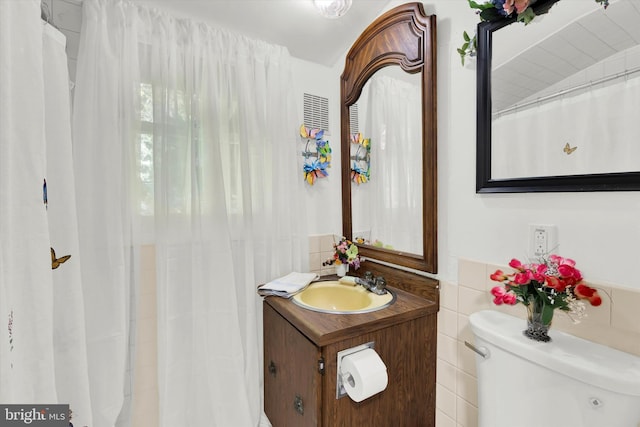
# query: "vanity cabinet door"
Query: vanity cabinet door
{"points": [[292, 379]]}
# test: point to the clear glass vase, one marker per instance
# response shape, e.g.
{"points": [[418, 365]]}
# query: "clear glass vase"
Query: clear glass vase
{"points": [[539, 317]]}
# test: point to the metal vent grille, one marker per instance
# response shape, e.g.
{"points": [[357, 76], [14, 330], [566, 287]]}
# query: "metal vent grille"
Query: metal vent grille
{"points": [[316, 112], [353, 119]]}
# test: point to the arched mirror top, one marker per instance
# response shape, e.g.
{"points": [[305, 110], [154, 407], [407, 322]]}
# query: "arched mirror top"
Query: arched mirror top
{"points": [[406, 37], [402, 36]]}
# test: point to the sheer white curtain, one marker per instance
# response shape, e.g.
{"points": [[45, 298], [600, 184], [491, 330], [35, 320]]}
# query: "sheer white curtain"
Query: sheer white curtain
{"points": [[394, 201], [190, 132], [26, 360], [42, 349], [532, 141], [70, 348]]}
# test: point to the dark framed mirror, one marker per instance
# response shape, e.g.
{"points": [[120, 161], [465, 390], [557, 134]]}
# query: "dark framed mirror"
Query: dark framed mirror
{"points": [[577, 157], [404, 38]]}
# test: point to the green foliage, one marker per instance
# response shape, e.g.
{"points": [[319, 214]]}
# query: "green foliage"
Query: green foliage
{"points": [[526, 16], [488, 12], [468, 48]]}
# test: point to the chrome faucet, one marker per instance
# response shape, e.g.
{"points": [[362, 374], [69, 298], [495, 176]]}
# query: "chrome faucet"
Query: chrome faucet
{"points": [[376, 285]]}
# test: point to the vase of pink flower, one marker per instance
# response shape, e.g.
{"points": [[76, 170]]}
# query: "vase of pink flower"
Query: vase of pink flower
{"points": [[345, 255], [552, 284]]}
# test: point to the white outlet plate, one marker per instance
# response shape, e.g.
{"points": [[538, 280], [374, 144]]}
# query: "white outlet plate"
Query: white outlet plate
{"points": [[543, 240]]}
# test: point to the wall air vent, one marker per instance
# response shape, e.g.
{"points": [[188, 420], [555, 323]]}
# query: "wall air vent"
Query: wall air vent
{"points": [[353, 119], [316, 112]]}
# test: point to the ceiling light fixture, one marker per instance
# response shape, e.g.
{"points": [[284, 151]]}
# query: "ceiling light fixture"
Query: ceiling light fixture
{"points": [[332, 8]]}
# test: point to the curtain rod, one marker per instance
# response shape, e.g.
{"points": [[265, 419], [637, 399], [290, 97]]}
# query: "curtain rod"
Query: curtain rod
{"points": [[566, 91]]}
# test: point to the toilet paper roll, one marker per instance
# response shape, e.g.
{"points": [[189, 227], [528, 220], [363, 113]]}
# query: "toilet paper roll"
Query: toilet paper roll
{"points": [[363, 374]]}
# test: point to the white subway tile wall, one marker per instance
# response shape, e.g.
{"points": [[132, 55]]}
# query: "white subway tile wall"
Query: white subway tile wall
{"points": [[616, 323], [320, 250]]}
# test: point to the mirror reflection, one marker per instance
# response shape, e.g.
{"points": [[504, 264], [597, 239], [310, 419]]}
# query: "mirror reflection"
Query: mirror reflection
{"points": [[387, 207], [565, 92]]}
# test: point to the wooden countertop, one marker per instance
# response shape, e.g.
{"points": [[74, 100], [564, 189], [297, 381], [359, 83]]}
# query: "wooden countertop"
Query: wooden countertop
{"points": [[324, 328]]}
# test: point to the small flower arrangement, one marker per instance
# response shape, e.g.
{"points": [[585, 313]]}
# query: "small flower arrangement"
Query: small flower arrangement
{"points": [[345, 252], [554, 283], [495, 10]]}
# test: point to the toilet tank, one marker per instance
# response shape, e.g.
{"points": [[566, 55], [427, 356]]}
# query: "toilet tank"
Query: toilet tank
{"points": [[568, 382]]}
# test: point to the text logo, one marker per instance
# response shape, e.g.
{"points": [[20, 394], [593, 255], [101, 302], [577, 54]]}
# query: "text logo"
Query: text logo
{"points": [[34, 415]]}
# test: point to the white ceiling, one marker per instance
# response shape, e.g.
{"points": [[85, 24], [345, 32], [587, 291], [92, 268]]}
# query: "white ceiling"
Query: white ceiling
{"points": [[291, 23], [559, 57]]}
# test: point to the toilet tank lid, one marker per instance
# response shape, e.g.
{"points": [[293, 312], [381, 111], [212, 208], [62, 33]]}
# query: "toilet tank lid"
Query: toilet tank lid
{"points": [[583, 360]]}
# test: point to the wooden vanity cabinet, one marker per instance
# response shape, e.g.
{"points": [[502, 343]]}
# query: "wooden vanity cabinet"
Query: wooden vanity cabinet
{"points": [[300, 364], [292, 377]]}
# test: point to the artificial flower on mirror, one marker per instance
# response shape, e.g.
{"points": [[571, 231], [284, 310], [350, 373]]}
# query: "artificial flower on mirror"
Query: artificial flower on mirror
{"points": [[361, 166], [317, 154], [496, 10]]}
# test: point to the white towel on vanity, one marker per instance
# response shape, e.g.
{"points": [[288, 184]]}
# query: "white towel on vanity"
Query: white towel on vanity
{"points": [[288, 285]]}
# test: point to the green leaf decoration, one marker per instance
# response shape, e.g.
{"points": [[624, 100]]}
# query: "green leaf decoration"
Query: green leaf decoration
{"points": [[547, 314], [491, 14], [480, 6], [527, 16]]}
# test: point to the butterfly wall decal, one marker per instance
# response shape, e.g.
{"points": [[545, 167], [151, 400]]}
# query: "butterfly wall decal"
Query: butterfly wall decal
{"points": [[309, 133], [316, 161], [568, 149], [357, 138], [313, 170], [358, 174], [57, 262]]}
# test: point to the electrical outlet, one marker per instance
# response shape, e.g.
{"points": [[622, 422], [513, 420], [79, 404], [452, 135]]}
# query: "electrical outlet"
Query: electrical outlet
{"points": [[542, 240]]}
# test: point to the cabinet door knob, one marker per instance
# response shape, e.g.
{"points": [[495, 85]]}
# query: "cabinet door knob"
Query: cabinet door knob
{"points": [[272, 368], [298, 405]]}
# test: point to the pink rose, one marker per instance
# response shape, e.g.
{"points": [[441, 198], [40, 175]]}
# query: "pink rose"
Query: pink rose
{"points": [[583, 291], [519, 6], [498, 276], [510, 298], [503, 296], [514, 263], [523, 278]]}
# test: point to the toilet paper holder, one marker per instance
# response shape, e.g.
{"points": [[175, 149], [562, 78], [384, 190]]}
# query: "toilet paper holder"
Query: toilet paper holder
{"points": [[340, 390]]}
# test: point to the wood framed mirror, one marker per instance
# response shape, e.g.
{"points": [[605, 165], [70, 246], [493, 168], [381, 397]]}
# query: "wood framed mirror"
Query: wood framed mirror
{"points": [[403, 37], [546, 133]]}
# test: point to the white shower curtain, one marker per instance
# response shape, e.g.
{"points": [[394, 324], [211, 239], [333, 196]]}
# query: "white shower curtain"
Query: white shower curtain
{"points": [[532, 141], [389, 207], [70, 348], [188, 138], [26, 288], [42, 349]]}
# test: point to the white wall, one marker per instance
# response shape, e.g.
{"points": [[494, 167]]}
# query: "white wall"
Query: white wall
{"points": [[323, 199]]}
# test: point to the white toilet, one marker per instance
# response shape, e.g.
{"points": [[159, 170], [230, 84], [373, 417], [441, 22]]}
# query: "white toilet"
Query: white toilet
{"points": [[569, 382]]}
